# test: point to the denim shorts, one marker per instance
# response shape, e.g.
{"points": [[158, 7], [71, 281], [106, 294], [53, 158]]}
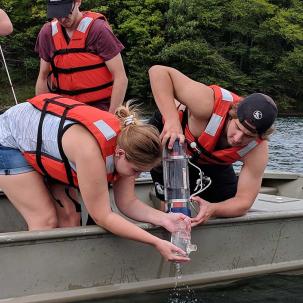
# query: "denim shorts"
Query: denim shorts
{"points": [[12, 162]]}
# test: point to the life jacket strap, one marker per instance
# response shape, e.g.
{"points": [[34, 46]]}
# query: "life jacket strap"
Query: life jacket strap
{"points": [[84, 90], [77, 69], [39, 138], [67, 166], [76, 203]]}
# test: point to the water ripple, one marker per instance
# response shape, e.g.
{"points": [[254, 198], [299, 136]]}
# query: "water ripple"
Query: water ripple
{"points": [[286, 145]]}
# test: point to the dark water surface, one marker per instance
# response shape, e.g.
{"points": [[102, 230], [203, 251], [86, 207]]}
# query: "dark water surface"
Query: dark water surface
{"points": [[263, 289]]}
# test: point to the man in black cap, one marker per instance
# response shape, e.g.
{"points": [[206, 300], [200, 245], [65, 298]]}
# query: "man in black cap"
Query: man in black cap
{"points": [[220, 128], [83, 55]]}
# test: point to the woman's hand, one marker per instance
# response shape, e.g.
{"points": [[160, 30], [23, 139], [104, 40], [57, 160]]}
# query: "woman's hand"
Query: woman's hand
{"points": [[172, 220], [171, 252], [172, 130], [206, 211]]}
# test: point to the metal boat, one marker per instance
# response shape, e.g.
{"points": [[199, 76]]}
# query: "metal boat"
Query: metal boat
{"points": [[87, 263]]}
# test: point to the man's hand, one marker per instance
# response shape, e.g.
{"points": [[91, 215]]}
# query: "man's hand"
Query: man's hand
{"points": [[172, 130], [206, 211]]}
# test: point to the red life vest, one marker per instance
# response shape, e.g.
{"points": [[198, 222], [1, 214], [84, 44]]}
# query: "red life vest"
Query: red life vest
{"points": [[203, 148], [76, 72], [103, 126]]}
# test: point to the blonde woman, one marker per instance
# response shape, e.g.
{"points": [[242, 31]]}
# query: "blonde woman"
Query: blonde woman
{"points": [[85, 147]]}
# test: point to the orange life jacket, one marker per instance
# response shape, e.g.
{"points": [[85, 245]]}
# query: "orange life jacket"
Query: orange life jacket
{"points": [[203, 148], [76, 72], [103, 126]]}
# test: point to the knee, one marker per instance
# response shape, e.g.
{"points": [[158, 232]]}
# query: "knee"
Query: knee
{"points": [[51, 221], [46, 221], [155, 69]]}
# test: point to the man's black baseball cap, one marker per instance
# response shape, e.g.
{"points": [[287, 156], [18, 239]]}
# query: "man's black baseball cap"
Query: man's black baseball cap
{"points": [[257, 112], [59, 8]]}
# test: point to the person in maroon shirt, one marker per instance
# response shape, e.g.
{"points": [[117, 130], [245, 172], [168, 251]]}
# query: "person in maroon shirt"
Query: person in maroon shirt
{"points": [[100, 41]]}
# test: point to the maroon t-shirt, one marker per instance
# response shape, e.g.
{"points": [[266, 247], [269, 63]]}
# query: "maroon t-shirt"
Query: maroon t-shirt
{"points": [[100, 40]]}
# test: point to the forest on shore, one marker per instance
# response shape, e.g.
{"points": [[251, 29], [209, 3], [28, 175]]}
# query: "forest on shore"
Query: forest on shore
{"points": [[242, 45]]}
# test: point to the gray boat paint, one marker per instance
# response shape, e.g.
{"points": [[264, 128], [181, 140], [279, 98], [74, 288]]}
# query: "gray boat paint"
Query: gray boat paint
{"points": [[87, 260]]}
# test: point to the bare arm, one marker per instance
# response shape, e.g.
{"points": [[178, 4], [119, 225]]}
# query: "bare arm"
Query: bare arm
{"points": [[116, 67], [131, 206], [6, 26], [169, 84], [249, 184], [82, 149], [41, 84]]}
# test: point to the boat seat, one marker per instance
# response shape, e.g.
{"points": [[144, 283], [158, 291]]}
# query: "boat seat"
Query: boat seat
{"points": [[268, 190]]}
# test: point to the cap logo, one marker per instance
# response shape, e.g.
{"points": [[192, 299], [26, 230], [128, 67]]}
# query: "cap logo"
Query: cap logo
{"points": [[257, 114]]}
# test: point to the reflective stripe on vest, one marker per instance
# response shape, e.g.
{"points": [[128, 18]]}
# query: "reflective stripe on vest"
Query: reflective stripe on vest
{"points": [[110, 165], [204, 147], [83, 25], [246, 149], [107, 131], [215, 120], [213, 124], [226, 95], [54, 27]]}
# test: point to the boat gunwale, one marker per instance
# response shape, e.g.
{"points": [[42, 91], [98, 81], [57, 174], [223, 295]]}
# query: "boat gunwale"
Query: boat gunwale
{"points": [[96, 231]]}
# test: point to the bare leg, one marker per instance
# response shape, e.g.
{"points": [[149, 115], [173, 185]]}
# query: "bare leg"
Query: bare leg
{"points": [[31, 198], [67, 215]]}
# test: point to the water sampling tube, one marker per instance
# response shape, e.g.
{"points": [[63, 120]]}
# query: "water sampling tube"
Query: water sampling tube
{"points": [[177, 192], [176, 180]]}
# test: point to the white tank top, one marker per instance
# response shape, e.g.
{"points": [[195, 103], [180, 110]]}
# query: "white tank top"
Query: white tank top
{"points": [[19, 129]]}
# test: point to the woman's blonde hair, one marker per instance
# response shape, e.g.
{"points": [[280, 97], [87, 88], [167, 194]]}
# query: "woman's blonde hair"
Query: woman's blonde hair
{"points": [[141, 142], [233, 115]]}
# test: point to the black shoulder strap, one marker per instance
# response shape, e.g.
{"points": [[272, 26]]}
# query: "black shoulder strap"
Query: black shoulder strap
{"points": [[59, 138]]}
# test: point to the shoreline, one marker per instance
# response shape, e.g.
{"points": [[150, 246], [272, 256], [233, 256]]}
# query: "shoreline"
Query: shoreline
{"points": [[291, 114]]}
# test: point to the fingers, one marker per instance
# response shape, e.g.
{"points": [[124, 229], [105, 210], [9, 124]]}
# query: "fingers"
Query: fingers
{"points": [[172, 139], [179, 259], [179, 255], [181, 138], [187, 221], [170, 133], [164, 137], [170, 252], [197, 220], [199, 200], [201, 216]]}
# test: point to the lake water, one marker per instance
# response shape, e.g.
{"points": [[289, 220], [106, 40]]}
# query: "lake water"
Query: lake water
{"points": [[265, 289], [286, 154], [286, 145]]}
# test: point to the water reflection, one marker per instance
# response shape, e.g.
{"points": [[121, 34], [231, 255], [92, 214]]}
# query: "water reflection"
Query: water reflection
{"points": [[286, 146], [266, 289]]}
